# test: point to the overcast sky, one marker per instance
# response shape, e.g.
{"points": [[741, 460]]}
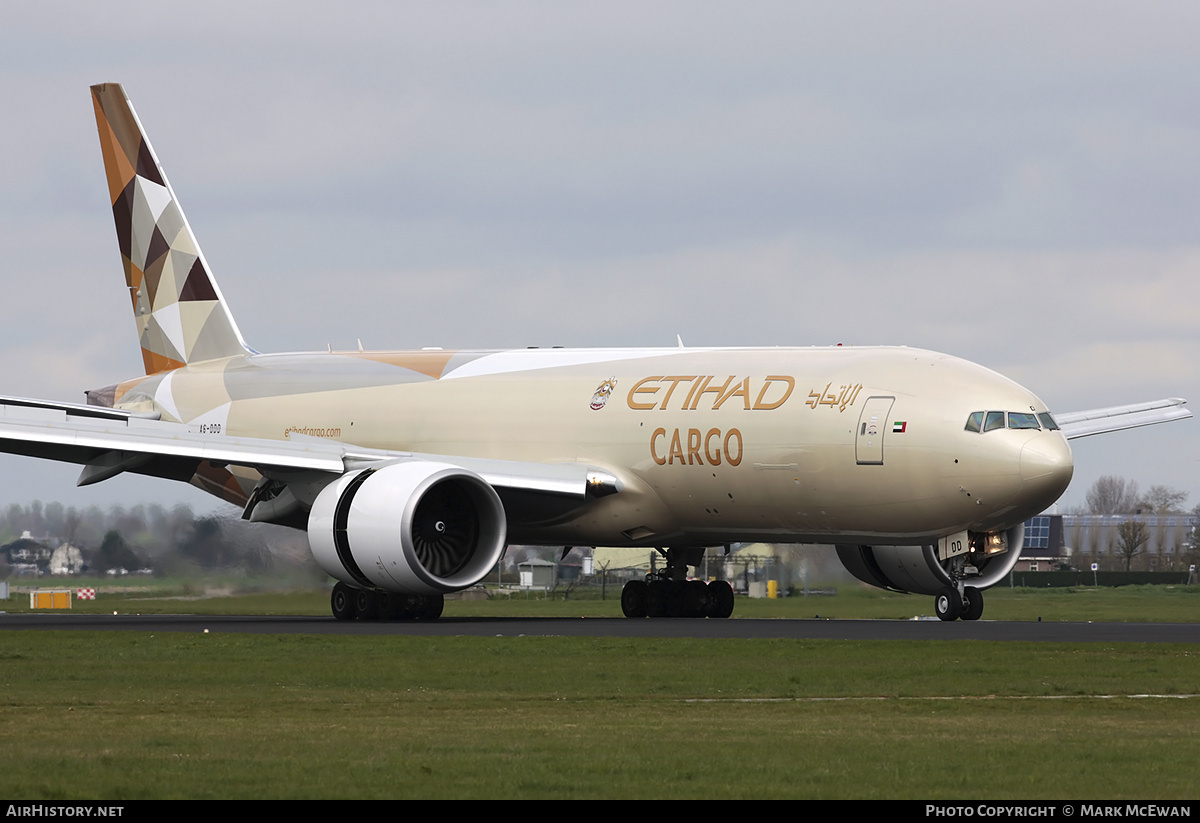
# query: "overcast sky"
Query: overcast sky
{"points": [[1014, 183]]}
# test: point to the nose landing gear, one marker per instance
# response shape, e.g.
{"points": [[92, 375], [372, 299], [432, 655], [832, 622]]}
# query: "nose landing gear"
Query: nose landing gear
{"points": [[951, 605]]}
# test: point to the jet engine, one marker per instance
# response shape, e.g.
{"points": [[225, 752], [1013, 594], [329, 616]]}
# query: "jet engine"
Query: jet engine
{"points": [[920, 570], [413, 527]]}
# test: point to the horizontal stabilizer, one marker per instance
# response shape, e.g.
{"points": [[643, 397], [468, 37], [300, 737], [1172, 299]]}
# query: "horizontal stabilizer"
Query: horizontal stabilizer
{"points": [[1117, 418], [25, 406]]}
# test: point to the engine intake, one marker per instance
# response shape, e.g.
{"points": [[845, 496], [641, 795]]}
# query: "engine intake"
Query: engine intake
{"points": [[416, 527], [917, 570]]}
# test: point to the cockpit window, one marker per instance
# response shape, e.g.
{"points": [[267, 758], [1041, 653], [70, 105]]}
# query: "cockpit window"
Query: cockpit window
{"points": [[1022, 420], [995, 420], [992, 420]]}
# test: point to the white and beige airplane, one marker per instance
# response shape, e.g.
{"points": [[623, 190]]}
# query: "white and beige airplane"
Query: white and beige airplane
{"points": [[412, 470]]}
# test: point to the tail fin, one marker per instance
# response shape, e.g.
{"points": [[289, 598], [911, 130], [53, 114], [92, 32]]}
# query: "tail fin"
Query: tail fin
{"points": [[181, 315]]}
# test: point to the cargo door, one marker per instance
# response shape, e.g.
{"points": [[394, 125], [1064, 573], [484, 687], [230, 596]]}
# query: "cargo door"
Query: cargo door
{"points": [[872, 423]]}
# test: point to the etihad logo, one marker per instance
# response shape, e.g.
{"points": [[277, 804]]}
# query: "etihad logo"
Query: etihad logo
{"points": [[603, 393], [825, 397], [757, 394]]}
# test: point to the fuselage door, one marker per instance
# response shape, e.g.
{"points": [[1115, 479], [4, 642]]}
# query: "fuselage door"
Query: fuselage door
{"points": [[872, 423]]}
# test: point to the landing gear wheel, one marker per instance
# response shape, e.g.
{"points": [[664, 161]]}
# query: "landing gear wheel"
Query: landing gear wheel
{"points": [[365, 605], [974, 607], [675, 590], [695, 598], [405, 606], [430, 607], [633, 598], [386, 605], [948, 604], [342, 602], [657, 599], [667, 592], [720, 599]]}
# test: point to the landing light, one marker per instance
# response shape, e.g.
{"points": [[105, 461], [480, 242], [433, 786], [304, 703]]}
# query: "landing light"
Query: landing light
{"points": [[993, 543]]}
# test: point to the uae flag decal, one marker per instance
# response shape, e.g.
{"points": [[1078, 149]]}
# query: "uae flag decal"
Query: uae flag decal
{"points": [[899, 426]]}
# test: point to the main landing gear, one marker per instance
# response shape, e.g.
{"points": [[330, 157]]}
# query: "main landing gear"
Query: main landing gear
{"points": [[950, 604], [668, 592], [349, 603]]}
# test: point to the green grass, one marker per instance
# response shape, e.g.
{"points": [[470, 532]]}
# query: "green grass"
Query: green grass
{"points": [[1161, 604], [126, 715], [133, 715], [1167, 604]]}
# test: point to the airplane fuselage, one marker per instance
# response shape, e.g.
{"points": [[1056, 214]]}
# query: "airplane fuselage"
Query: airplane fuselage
{"points": [[838, 444]]}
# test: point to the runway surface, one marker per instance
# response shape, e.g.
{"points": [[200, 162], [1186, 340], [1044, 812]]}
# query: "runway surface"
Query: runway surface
{"points": [[621, 627]]}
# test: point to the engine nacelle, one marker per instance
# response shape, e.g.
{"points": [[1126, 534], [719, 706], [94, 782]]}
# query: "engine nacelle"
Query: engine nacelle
{"points": [[415, 527], [917, 569]]}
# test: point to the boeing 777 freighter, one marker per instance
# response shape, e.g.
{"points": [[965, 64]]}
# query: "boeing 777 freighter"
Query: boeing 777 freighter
{"points": [[412, 470]]}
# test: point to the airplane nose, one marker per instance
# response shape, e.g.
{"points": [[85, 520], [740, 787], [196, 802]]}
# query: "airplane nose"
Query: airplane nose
{"points": [[1046, 467]]}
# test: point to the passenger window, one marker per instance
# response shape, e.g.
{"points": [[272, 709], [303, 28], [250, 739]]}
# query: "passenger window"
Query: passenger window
{"points": [[1048, 421], [975, 421], [995, 420], [1022, 420]]}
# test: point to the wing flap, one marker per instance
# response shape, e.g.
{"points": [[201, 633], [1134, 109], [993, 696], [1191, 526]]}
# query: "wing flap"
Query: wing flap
{"points": [[1118, 418]]}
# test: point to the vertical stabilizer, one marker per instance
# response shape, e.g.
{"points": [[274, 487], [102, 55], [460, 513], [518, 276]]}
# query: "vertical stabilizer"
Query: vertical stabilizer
{"points": [[181, 315]]}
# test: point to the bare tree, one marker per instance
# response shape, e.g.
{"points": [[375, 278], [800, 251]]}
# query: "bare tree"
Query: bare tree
{"points": [[1164, 500], [1132, 536], [1112, 495], [1191, 545]]}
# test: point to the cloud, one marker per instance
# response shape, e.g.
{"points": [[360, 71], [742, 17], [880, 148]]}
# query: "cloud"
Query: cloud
{"points": [[1018, 186]]}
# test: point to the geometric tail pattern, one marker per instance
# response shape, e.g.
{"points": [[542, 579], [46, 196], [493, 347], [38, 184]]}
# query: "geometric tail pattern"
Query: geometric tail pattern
{"points": [[181, 316]]}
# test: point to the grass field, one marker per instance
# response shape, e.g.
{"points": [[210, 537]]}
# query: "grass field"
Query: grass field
{"points": [[128, 715], [1164, 604]]}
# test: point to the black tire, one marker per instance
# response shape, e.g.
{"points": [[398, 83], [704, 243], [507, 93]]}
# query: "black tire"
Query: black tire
{"points": [[405, 606], [657, 599], [974, 607], [720, 599], [341, 601], [948, 604], [386, 605], [633, 599], [430, 607], [365, 605], [695, 599], [675, 590]]}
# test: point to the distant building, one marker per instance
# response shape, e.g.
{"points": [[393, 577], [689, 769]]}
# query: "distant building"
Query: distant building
{"points": [[538, 575], [1054, 541], [67, 559], [27, 555]]}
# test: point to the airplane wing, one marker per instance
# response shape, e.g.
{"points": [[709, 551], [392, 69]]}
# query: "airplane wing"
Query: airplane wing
{"points": [[107, 442], [1117, 418]]}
